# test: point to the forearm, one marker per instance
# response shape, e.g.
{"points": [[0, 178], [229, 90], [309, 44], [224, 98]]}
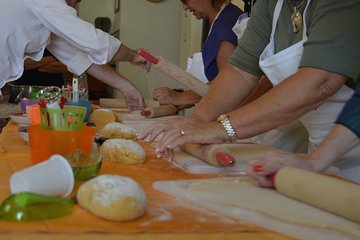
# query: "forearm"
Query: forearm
{"points": [[109, 76], [336, 144], [30, 64], [124, 54], [297, 95], [188, 97], [227, 90]]}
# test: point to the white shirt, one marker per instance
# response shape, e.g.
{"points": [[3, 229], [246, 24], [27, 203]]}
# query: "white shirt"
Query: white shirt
{"points": [[28, 26]]}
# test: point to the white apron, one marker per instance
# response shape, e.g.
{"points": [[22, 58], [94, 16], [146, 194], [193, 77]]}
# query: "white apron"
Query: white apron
{"points": [[195, 66], [277, 67]]}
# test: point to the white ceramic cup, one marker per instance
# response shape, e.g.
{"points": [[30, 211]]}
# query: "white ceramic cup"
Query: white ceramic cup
{"points": [[53, 177]]}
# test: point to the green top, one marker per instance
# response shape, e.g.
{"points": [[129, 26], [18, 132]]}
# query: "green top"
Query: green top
{"points": [[333, 36]]}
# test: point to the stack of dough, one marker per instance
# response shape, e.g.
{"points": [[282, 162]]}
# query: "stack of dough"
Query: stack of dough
{"points": [[119, 130], [102, 116], [112, 197], [122, 151]]}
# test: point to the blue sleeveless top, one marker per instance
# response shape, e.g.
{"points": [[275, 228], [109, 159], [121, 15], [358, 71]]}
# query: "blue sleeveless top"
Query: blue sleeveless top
{"points": [[221, 31]]}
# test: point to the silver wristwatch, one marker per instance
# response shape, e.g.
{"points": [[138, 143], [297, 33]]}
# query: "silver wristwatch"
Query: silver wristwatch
{"points": [[225, 122]]}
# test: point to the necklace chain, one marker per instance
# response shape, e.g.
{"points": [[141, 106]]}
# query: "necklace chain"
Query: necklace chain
{"points": [[296, 17]]}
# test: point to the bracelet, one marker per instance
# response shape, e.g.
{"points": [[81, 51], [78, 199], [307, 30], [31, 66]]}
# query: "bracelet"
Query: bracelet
{"points": [[225, 122]]}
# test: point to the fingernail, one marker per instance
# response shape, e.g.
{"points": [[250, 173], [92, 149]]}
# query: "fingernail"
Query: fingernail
{"points": [[158, 155], [257, 168]]}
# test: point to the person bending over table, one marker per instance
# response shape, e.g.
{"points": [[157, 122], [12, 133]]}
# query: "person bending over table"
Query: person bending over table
{"points": [[217, 48], [308, 49], [28, 27], [341, 139]]}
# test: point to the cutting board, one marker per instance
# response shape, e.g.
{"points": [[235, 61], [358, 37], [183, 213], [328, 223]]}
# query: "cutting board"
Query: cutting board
{"points": [[179, 189]]}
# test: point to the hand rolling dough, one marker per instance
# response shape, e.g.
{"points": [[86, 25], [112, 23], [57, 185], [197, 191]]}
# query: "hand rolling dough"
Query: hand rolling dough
{"points": [[122, 151], [112, 197]]}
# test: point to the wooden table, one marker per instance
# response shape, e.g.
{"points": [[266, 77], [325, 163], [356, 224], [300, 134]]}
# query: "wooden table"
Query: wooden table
{"points": [[166, 217]]}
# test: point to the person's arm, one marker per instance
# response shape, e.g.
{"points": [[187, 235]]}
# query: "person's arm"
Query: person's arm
{"points": [[106, 74], [77, 43], [297, 95], [30, 64], [226, 48], [335, 145]]}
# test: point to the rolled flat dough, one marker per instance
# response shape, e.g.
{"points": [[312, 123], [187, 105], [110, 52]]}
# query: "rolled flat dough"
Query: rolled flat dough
{"points": [[244, 194]]}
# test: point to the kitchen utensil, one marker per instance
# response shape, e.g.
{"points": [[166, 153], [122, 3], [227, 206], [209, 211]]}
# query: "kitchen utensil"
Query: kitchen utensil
{"points": [[33, 114], [26, 102], [121, 103], [53, 177], [84, 165], [160, 111], [176, 73], [20, 119], [81, 103], [28, 206], [23, 133], [70, 118], [329, 193], [216, 155], [45, 142]]}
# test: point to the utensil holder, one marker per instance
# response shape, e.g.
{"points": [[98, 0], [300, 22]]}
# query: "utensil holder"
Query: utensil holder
{"points": [[70, 118]]}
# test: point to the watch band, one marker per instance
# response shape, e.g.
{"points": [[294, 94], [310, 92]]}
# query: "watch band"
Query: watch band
{"points": [[225, 122]]}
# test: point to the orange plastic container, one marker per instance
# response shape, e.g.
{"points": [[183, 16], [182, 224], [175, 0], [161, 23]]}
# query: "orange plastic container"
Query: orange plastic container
{"points": [[33, 113], [44, 143]]}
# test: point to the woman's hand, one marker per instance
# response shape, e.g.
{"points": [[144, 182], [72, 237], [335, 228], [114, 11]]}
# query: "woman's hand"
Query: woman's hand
{"points": [[152, 132], [133, 98], [262, 167], [165, 94], [203, 133]]}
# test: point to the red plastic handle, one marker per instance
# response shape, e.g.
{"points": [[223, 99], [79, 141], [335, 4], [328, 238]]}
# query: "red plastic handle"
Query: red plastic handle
{"points": [[225, 159], [148, 56], [145, 113]]}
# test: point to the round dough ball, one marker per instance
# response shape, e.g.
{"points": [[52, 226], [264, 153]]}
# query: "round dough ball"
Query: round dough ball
{"points": [[119, 130], [122, 151], [112, 197], [103, 116]]}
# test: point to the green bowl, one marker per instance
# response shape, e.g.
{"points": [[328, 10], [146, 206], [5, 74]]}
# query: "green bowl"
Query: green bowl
{"points": [[84, 165]]}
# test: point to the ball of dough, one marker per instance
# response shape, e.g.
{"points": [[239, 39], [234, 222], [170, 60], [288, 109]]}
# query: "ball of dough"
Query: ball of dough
{"points": [[119, 130], [122, 151], [103, 116], [112, 197]]}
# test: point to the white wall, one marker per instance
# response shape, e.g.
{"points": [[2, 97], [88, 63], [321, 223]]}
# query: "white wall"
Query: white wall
{"points": [[163, 28], [91, 9], [155, 27]]}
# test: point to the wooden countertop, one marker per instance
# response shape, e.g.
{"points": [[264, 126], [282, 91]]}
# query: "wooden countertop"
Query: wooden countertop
{"points": [[166, 217]]}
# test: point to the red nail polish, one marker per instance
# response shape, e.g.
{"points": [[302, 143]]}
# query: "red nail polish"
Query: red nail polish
{"points": [[225, 159], [257, 168]]}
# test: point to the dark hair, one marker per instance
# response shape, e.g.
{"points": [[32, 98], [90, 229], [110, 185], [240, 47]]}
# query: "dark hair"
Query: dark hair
{"points": [[218, 3], [215, 3]]}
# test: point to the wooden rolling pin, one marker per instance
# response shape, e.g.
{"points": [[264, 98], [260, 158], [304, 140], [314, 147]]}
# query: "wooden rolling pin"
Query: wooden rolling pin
{"points": [[176, 73], [121, 103], [165, 110], [329, 193], [216, 155]]}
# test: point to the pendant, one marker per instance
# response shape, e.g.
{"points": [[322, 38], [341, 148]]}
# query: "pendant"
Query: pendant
{"points": [[296, 20]]}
